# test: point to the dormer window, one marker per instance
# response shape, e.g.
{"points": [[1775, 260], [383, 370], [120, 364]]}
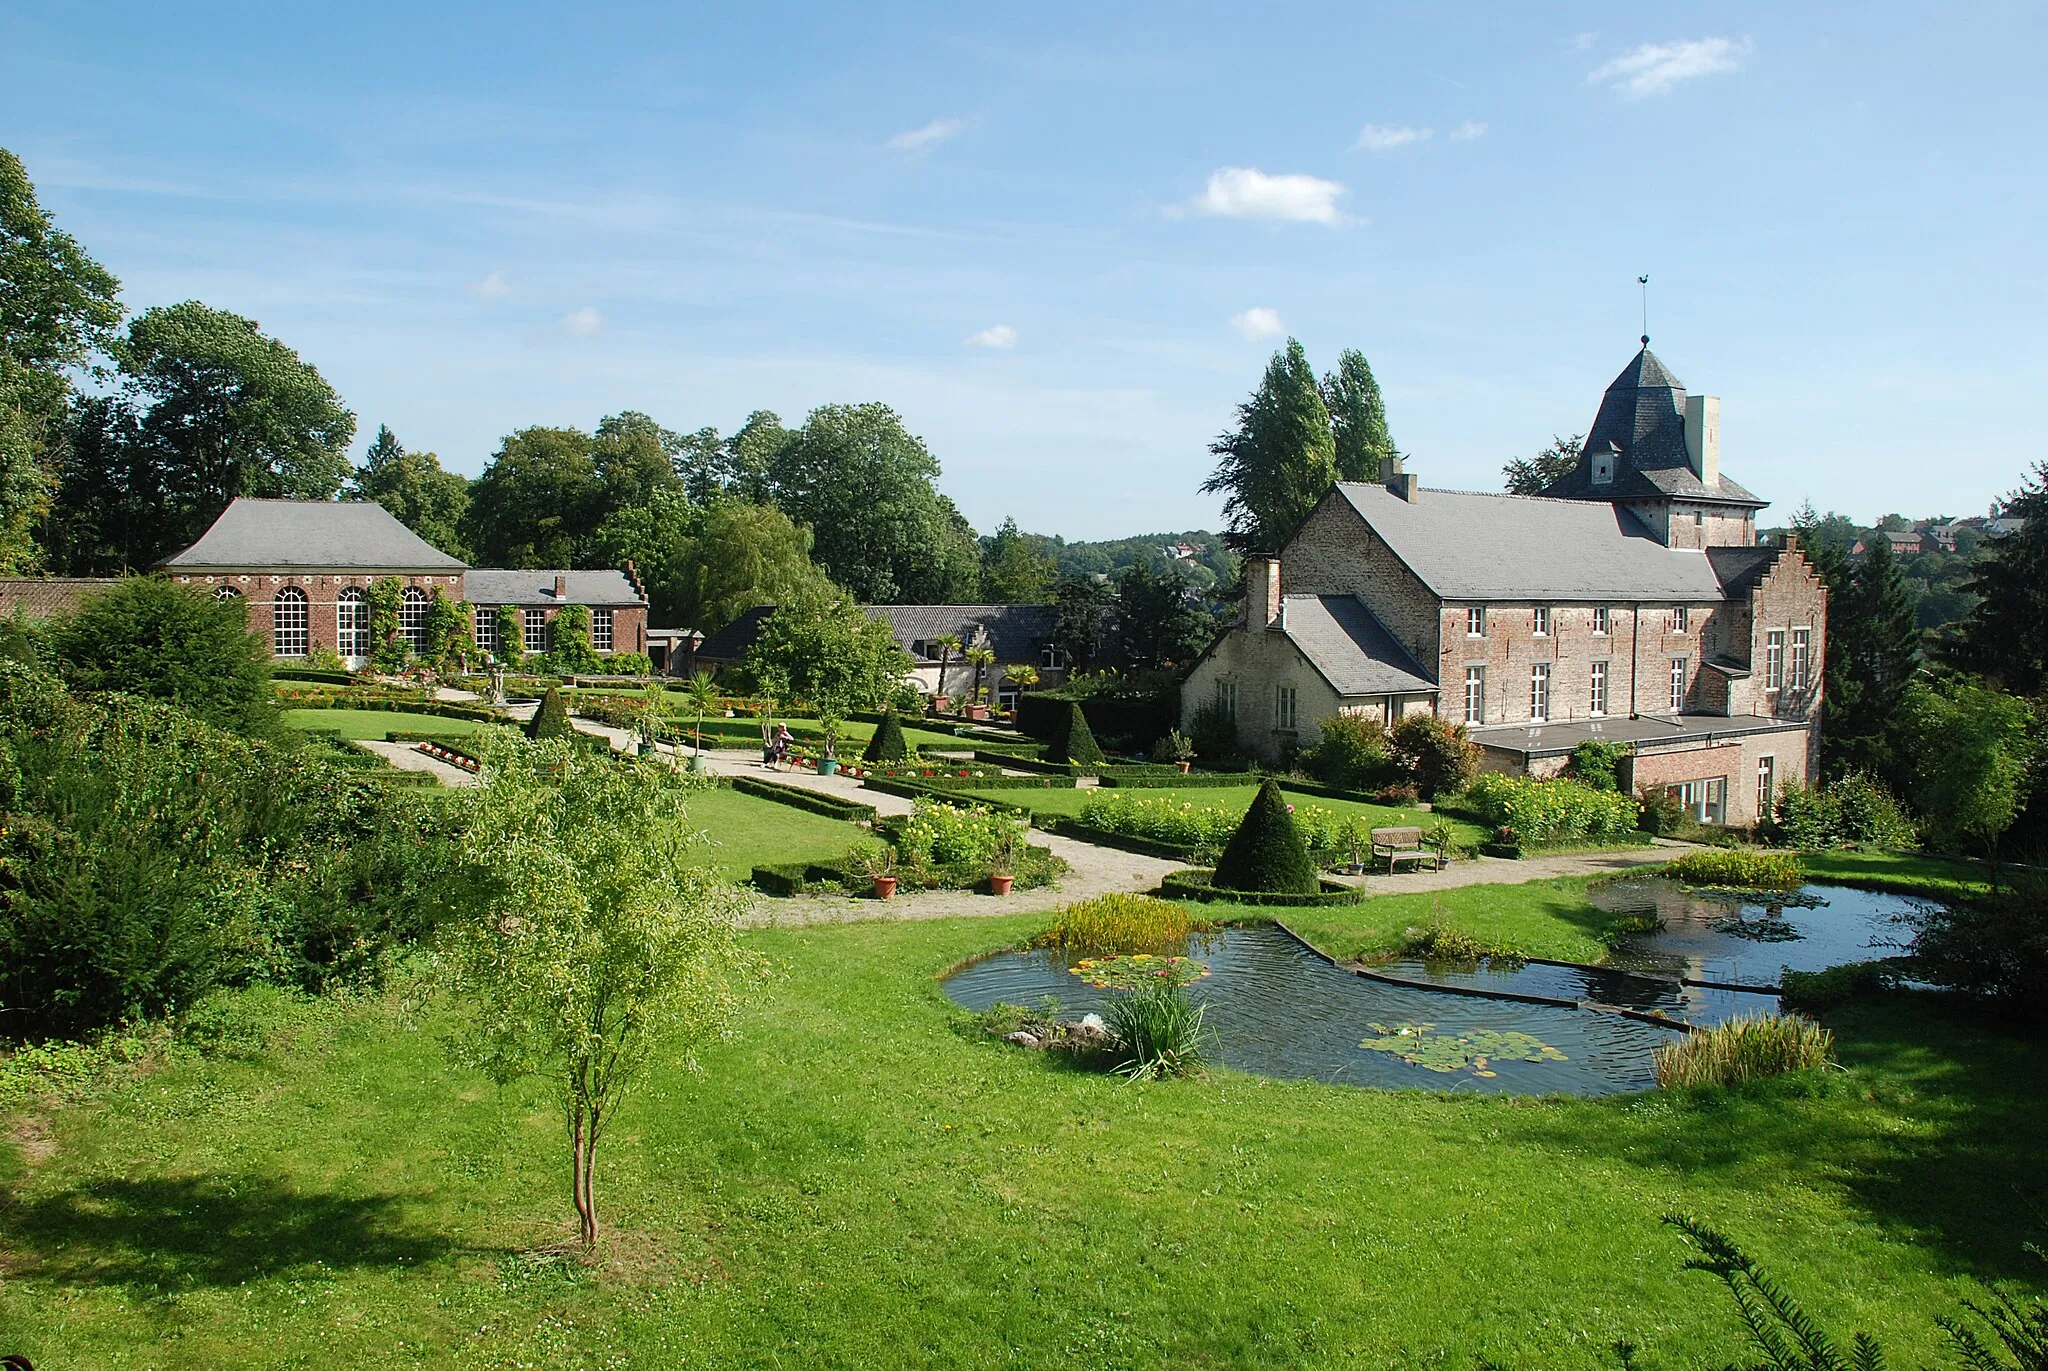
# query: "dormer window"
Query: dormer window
{"points": [[1603, 466]]}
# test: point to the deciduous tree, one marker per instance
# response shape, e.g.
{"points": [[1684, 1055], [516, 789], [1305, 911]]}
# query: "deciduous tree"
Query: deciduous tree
{"points": [[1013, 569], [538, 502], [412, 485], [1534, 475], [1279, 460], [1358, 418], [593, 939]]}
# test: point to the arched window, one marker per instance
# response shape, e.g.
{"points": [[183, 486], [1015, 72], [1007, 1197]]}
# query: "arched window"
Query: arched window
{"points": [[288, 623], [352, 624], [412, 618], [226, 593]]}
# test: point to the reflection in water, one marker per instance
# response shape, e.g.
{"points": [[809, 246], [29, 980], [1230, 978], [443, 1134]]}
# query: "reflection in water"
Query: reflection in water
{"points": [[1747, 940], [1279, 1010]]}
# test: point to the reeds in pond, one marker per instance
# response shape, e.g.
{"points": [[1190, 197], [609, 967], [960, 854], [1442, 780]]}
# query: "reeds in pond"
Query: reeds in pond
{"points": [[1745, 867], [1744, 1049], [1120, 924]]}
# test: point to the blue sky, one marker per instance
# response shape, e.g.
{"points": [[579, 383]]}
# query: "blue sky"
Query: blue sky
{"points": [[1062, 240]]}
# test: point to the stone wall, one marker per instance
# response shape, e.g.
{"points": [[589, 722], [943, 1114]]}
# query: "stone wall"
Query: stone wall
{"points": [[1257, 660], [1638, 647], [1337, 553]]}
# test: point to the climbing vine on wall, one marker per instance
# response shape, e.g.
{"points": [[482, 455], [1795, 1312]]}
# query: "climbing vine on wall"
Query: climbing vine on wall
{"points": [[388, 650]]}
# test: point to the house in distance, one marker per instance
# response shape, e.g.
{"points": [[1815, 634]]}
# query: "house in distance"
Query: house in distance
{"points": [[1627, 603]]}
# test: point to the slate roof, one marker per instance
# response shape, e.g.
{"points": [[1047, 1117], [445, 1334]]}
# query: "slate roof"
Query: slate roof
{"points": [[1647, 731], [1016, 632], [733, 641], [1468, 546], [1350, 648], [496, 586], [1642, 416], [264, 535], [43, 597], [1741, 568]]}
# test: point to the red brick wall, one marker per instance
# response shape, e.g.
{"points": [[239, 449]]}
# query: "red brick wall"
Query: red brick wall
{"points": [[323, 593], [629, 623]]}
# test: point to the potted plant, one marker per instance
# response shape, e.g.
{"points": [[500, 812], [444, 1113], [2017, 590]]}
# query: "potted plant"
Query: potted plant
{"points": [[829, 723], [702, 695], [648, 725], [1002, 871], [1175, 747], [876, 861]]}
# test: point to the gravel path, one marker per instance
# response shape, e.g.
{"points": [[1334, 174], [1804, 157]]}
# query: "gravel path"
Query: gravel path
{"points": [[402, 756]]}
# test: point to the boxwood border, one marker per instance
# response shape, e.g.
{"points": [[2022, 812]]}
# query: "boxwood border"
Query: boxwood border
{"points": [[1184, 885]]}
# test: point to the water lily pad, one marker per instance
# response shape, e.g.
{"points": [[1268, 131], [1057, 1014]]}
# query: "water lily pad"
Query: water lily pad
{"points": [[1476, 1051], [1138, 971]]}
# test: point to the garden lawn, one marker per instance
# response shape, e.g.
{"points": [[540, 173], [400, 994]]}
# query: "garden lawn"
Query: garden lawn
{"points": [[1535, 918], [1900, 872], [857, 1179], [1238, 798], [748, 831], [375, 723], [853, 735]]}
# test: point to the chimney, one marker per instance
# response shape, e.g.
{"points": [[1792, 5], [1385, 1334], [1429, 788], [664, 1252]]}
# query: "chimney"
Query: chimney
{"points": [[561, 585], [1703, 437], [1262, 592], [1398, 481]]}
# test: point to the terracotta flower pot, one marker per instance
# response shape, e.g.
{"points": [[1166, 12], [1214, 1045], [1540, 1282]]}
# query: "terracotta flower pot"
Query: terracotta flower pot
{"points": [[1184, 767], [1000, 885], [885, 887]]}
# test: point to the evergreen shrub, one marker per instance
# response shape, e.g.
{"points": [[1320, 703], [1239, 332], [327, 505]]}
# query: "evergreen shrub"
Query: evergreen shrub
{"points": [[551, 720], [1267, 851], [1352, 754], [1073, 742], [1439, 757], [887, 745]]}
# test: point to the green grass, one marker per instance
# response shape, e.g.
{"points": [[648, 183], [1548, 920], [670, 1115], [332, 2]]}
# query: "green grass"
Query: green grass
{"points": [[853, 735], [853, 1180], [1900, 873], [1536, 918], [375, 723], [1236, 797], [749, 831]]}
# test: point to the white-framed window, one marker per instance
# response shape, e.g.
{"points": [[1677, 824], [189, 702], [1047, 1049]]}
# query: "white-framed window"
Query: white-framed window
{"points": [[1053, 657], [1677, 685], [1706, 801], [1283, 708], [1596, 699], [1475, 694], [533, 630], [918, 647], [1539, 692], [1600, 620], [601, 630], [226, 593], [486, 629], [1681, 618], [1802, 656], [1475, 622], [1774, 659], [288, 623], [1540, 618], [1766, 785], [412, 618], [352, 623]]}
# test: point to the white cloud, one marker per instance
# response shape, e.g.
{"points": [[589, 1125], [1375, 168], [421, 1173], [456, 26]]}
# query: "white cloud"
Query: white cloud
{"points": [[1248, 193], [582, 323], [1382, 137], [1655, 68], [1582, 42], [1258, 322], [994, 336], [919, 141], [1467, 131], [492, 287]]}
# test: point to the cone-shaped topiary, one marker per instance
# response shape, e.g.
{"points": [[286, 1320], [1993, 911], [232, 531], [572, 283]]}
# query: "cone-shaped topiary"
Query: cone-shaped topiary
{"points": [[1266, 852], [1072, 741], [887, 745], [551, 720]]}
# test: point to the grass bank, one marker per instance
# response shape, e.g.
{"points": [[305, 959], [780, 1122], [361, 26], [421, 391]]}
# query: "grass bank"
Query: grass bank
{"points": [[747, 831], [853, 1180], [375, 723]]}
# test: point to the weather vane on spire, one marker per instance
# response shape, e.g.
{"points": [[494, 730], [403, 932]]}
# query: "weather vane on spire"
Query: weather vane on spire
{"points": [[1644, 282]]}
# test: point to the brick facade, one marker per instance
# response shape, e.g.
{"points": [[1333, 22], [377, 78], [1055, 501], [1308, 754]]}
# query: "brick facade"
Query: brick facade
{"points": [[259, 591]]}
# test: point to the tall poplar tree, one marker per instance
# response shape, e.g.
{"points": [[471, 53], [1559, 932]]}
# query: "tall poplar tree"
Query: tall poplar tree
{"points": [[1358, 418], [1279, 461]]}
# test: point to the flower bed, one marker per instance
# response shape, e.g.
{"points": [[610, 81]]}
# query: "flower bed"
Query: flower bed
{"points": [[1549, 813], [441, 752]]}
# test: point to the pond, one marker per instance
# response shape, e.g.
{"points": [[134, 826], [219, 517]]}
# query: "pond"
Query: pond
{"points": [[1278, 1009], [1747, 939]]}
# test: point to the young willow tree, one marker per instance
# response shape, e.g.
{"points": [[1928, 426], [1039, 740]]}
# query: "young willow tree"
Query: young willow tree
{"points": [[589, 941]]}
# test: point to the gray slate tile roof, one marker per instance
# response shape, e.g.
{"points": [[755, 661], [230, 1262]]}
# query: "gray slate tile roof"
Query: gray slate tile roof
{"points": [[354, 535], [496, 586], [1350, 648], [1648, 731], [1015, 632], [1468, 546], [1740, 568], [1642, 416], [734, 641]]}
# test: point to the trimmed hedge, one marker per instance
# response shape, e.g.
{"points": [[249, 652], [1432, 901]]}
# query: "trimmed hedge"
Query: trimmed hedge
{"points": [[887, 744], [922, 789], [795, 878], [1194, 780], [1267, 851], [1000, 782], [1024, 762], [1069, 827], [1196, 885], [1073, 742], [831, 806], [392, 704], [551, 720], [314, 674]]}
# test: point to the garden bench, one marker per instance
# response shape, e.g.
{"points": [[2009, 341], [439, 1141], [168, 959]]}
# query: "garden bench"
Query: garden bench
{"points": [[1399, 845]]}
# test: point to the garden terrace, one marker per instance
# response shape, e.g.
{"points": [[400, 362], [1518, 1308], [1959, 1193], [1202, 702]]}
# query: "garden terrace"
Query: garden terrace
{"points": [[851, 1179]]}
